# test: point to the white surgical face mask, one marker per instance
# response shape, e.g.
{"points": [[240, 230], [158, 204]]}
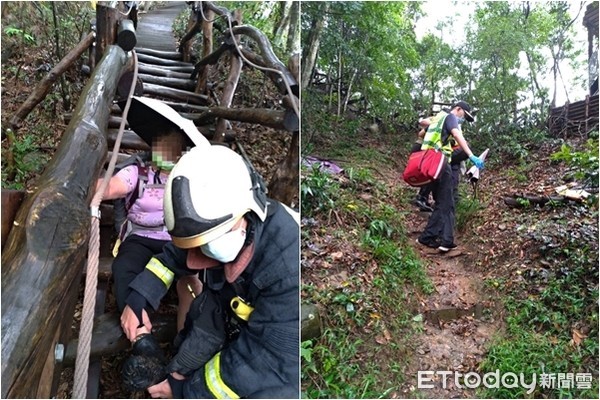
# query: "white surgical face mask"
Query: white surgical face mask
{"points": [[225, 248]]}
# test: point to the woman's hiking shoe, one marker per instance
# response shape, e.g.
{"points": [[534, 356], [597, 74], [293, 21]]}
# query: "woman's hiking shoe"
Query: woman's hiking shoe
{"points": [[147, 345], [430, 244], [146, 365], [446, 248], [141, 372]]}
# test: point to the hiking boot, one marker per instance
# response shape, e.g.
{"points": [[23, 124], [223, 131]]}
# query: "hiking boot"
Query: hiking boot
{"points": [[140, 372], [430, 244], [447, 247], [146, 365], [422, 205]]}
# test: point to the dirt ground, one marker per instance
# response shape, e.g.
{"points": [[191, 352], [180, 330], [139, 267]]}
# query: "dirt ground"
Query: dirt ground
{"points": [[450, 342]]}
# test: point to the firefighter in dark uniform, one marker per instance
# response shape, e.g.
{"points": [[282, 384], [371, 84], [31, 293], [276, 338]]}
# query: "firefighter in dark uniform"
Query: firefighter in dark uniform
{"points": [[241, 336]]}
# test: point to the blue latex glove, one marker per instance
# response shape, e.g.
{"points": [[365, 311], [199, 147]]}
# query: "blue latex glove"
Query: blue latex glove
{"points": [[477, 161]]}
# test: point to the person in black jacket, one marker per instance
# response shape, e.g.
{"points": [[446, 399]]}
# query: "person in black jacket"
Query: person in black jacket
{"points": [[241, 335]]}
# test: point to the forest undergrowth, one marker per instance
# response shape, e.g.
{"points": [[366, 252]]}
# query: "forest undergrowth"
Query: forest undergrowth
{"points": [[360, 267]]}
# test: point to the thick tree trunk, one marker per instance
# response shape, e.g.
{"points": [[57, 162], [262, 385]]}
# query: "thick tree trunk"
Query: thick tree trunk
{"points": [[294, 27], [293, 66], [46, 248], [312, 48], [283, 185], [283, 23], [45, 85]]}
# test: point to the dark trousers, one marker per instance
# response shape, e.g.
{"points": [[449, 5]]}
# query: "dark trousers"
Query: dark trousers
{"points": [[424, 190], [134, 254], [441, 220], [455, 181]]}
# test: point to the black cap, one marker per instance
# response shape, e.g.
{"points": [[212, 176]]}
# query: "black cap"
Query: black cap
{"points": [[465, 106]]}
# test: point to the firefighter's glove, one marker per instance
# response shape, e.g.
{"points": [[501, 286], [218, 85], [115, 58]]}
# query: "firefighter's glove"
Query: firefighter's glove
{"points": [[203, 335], [477, 161]]}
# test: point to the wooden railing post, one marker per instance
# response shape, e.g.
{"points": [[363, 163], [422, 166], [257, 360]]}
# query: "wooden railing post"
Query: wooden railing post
{"points": [[43, 257], [107, 19]]}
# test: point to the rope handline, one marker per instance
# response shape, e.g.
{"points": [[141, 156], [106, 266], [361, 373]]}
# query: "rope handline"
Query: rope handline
{"points": [[287, 85], [91, 281], [204, 18]]}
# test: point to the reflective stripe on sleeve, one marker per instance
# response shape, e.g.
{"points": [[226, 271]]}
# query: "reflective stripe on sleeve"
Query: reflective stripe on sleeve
{"points": [[212, 374], [163, 273]]}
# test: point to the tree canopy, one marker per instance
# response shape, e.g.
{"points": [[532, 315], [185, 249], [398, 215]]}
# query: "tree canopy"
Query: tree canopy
{"points": [[509, 65]]}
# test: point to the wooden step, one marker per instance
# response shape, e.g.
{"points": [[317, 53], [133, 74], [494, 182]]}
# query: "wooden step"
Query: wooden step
{"points": [[170, 55]]}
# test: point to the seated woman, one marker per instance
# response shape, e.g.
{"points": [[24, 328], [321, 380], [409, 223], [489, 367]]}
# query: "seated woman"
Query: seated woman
{"points": [[144, 233]]}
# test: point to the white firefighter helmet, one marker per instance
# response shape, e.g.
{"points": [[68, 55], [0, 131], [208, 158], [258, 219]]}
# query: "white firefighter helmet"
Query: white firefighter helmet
{"points": [[209, 190]]}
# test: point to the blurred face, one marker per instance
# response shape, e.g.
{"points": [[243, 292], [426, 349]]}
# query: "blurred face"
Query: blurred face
{"points": [[460, 114], [167, 150]]}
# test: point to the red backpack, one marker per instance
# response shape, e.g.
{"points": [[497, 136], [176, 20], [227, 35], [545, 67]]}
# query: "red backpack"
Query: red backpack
{"points": [[423, 167]]}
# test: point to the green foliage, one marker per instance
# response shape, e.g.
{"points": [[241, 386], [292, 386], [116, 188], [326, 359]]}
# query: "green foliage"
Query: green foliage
{"points": [[318, 191], [346, 361], [523, 202], [585, 161], [341, 374], [27, 162], [551, 318], [263, 15], [466, 211], [373, 42], [26, 37], [437, 61]]}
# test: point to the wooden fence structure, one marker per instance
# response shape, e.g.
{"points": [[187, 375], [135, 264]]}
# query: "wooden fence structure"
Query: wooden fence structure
{"points": [[573, 119], [45, 232]]}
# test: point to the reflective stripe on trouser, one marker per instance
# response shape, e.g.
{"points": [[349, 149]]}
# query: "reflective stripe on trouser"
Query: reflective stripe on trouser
{"points": [[163, 273], [214, 382]]}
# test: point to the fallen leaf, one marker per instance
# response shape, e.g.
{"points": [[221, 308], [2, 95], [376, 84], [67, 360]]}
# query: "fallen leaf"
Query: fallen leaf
{"points": [[577, 337], [387, 334], [381, 340]]}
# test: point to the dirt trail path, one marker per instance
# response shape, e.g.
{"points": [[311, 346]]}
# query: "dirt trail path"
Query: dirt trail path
{"points": [[458, 319]]}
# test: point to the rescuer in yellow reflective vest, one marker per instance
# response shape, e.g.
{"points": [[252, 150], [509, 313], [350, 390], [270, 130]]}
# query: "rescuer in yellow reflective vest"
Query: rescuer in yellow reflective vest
{"points": [[442, 132]]}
